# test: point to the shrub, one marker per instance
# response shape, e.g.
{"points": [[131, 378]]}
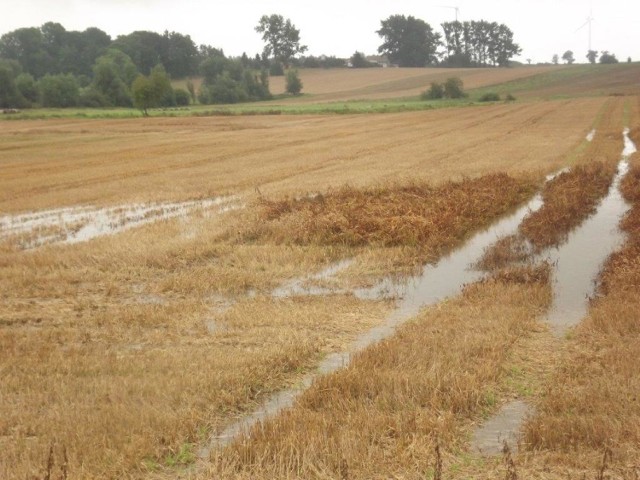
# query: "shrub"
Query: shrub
{"points": [[183, 98], [453, 88], [59, 91], [435, 92], [509, 98], [294, 84], [27, 87], [92, 98], [490, 97]]}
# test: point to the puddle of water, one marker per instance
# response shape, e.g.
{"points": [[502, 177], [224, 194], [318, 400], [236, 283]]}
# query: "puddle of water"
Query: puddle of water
{"points": [[80, 224], [490, 438], [447, 277], [444, 279], [302, 286], [577, 265], [591, 135], [579, 260], [435, 283]]}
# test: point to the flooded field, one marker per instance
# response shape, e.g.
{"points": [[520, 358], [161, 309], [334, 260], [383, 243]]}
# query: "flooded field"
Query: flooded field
{"points": [[268, 298]]}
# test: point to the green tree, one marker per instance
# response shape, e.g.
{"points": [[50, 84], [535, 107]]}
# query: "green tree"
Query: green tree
{"points": [[26, 46], [358, 60], [143, 48], [607, 57], [183, 97], [162, 85], [144, 95], [153, 91], [568, 57], [435, 92], [113, 75], [453, 88], [555, 59], [27, 87], [293, 82], [59, 90], [10, 96], [408, 41], [281, 37], [179, 55], [592, 56]]}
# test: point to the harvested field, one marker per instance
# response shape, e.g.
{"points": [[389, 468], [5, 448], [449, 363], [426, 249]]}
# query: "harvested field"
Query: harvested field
{"points": [[588, 406], [128, 352], [383, 416], [334, 85], [347, 84], [56, 163], [569, 196]]}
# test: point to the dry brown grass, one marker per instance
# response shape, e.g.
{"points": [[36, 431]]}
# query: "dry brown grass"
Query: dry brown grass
{"points": [[348, 84], [123, 349], [57, 163], [417, 214], [574, 195], [113, 336], [382, 416], [590, 403], [568, 198]]}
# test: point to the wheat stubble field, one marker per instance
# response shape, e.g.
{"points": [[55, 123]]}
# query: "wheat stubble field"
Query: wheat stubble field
{"points": [[123, 355]]}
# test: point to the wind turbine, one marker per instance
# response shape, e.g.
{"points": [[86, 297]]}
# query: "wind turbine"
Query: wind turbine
{"points": [[589, 21], [457, 9]]}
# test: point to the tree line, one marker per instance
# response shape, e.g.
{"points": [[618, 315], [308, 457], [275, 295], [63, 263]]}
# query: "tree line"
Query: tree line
{"points": [[52, 67], [411, 42]]}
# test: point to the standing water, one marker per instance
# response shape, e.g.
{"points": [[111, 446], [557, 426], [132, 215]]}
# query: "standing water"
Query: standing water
{"points": [[579, 260], [577, 265], [436, 282]]}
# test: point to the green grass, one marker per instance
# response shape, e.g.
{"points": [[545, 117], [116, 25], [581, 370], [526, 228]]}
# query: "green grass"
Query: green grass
{"points": [[563, 75], [280, 105], [263, 108]]}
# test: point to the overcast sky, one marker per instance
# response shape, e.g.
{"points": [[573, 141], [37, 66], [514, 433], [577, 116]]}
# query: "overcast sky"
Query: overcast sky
{"points": [[340, 27]]}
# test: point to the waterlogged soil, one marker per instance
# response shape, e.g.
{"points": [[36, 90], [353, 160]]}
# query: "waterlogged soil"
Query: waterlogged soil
{"points": [[577, 265], [84, 223], [579, 260], [436, 282]]}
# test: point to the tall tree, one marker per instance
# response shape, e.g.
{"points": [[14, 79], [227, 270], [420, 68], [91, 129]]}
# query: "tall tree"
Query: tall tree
{"points": [[26, 46], [179, 55], [607, 57], [568, 57], [479, 43], [555, 59], [408, 41], [281, 37], [143, 47], [10, 96], [592, 56], [113, 75]]}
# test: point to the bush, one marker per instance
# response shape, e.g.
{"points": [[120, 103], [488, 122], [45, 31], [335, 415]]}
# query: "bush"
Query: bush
{"points": [[27, 87], [490, 97], [509, 98], [59, 91], [294, 84], [91, 98], [435, 92], [183, 98], [453, 88]]}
